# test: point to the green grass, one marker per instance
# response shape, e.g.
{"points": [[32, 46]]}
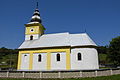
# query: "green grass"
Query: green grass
{"points": [[114, 77]]}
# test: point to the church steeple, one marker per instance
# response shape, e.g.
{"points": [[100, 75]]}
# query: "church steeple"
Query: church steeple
{"points": [[34, 29], [36, 15]]}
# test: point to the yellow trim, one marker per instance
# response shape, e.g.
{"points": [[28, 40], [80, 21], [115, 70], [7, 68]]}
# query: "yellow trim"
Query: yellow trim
{"points": [[48, 61], [31, 61], [48, 51], [45, 50], [68, 66], [19, 61]]}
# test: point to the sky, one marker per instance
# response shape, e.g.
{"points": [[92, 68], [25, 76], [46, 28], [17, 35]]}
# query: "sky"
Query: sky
{"points": [[100, 19]]}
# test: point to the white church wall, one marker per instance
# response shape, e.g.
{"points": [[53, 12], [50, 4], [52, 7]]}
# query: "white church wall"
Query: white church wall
{"points": [[58, 65], [40, 65], [89, 59], [25, 61], [35, 36]]}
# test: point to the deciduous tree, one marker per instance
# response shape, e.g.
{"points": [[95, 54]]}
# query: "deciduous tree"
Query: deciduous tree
{"points": [[114, 51]]}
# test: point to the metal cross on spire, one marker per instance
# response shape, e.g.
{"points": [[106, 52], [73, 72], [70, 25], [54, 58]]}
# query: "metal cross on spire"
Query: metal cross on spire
{"points": [[37, 6]]}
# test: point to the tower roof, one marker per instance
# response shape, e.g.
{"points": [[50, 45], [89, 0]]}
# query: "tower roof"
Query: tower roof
{"points": [[36, 16]]}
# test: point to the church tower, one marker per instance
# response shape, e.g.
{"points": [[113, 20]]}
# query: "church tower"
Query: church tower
{"points": [[34, 29]]}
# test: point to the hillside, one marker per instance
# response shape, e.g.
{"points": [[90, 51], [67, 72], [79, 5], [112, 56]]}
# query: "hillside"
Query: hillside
{"points": [[8, 58]]}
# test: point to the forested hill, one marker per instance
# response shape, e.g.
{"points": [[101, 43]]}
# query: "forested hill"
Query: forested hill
{"points": [[6, 51], [8, 57]]}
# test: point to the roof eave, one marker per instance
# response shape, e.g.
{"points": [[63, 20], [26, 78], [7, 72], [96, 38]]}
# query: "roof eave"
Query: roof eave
{"points": [[53, 47]]}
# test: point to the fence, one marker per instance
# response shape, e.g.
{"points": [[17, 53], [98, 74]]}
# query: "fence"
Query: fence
{"points": [[58, 74]]}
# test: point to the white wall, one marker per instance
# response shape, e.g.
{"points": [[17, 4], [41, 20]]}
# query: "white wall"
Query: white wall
{"points": [[40, 65], [25, 61], [35, 36], [89, 59], [58, 65]]}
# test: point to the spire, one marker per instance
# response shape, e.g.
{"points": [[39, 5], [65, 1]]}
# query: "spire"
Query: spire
{"points": [[36, 15], [37, 6]]}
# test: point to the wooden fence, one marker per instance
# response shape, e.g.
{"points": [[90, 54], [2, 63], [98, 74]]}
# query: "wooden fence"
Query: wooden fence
{"points": [[58, 74]]}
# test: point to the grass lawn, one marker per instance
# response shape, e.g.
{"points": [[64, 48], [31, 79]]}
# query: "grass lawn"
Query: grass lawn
{"points": [[114, 77]]}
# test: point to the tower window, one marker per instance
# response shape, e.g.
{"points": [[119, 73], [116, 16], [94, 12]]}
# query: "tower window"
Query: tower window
{"points": [[31, 37], [79, 56], [31, 30], [39, 58], [58, 57]]}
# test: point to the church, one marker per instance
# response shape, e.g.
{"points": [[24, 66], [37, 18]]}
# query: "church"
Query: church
{"points": [[55, 52]]}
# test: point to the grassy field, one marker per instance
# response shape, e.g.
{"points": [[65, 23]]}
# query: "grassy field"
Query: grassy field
{"points": [[115, 77]]}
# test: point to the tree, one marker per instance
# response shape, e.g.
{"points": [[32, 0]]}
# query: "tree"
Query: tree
{"points": [[102, 49], [114, 51], [102, 53], [8, 56]]}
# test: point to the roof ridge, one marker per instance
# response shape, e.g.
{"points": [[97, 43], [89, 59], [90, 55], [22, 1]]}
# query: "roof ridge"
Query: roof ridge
{"points": [[57, 33]]}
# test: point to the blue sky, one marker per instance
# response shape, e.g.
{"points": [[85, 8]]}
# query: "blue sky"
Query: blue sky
{"points": [[100, 18]]}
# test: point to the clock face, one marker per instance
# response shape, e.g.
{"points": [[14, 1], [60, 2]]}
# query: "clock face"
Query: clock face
{"points": [[31, 30]]}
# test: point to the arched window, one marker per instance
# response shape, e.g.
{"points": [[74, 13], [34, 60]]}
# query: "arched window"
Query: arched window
{"points": [[39, 58], [25, 57], [79, 57], [58, 57], [31, 37]]}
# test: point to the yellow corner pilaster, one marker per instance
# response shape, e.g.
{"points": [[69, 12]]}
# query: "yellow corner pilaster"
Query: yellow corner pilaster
{"points": [[19, 61], [48, 61], [68, 65], [31, 61]]}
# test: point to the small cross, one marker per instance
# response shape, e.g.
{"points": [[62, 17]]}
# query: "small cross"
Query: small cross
{"points": [[37, 6]]}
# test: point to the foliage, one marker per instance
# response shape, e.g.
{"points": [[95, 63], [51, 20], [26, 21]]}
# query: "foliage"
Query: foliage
{"points": [[103, 59], [110, 54], [102, 49], [8, 57], [114, 51], [102, 54]]}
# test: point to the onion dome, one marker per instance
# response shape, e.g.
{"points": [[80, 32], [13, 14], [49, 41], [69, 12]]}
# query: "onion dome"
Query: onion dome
{"points": [[36, 16]]}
